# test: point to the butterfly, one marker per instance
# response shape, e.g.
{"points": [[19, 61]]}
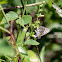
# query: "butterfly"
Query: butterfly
{"points": [[58, 10], [40, 31]]}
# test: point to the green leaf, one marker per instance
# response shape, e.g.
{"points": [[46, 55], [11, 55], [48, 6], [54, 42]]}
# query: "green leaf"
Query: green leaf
{"points": [[10, 16], [26, 19], [18, 38], [20, 21], [3, 1], [25, 57], [9, 58], [22, 50], [31, 42], [21, 36], [6, 49], [8, 38], [32, 56], [27, 34], [42, 53], [23, 54]]}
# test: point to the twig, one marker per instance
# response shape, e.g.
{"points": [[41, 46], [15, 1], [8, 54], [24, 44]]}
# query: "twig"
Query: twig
{"points": [[26, 5], [12, 38]]}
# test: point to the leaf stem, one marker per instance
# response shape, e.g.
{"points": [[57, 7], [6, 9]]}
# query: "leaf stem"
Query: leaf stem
{"points": [[4, 29], [2, 60], [3, 13], [24, 8]]}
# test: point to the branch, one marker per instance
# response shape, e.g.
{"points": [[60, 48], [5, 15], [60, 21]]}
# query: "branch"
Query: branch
{"points": [[26, 5]]}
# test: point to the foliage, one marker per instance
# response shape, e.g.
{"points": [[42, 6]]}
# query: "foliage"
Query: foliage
{"points": [[24, 20], [4, 48], [17, 28], [10, 16]]}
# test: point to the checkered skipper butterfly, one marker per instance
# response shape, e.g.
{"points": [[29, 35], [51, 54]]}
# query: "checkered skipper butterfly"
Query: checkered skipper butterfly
{"points": [[40, 31]]}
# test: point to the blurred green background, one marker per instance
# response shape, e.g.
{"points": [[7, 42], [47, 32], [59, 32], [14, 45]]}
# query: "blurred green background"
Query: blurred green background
{"points": [[53, 40]]}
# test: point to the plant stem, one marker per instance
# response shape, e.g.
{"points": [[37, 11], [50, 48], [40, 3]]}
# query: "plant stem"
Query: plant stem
{"points": [[22, 6], [3, 13], [15, 46], [38, 52], [12, 38], [2, 60], [37, 48], [4, 29]]}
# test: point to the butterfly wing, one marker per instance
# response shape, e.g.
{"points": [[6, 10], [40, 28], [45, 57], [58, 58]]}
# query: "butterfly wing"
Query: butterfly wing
{"points": [[41, 31], [45, 31]]}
